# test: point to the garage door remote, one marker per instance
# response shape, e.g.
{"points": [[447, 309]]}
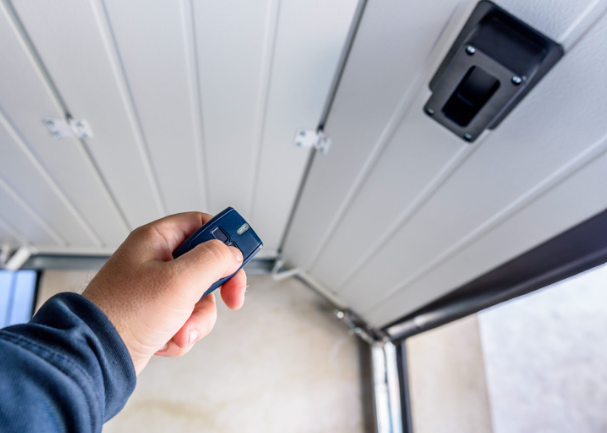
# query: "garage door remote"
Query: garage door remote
{"points": [[231, 229]]}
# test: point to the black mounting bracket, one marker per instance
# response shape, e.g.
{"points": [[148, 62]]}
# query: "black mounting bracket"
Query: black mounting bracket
{"points": [[494, 62]]}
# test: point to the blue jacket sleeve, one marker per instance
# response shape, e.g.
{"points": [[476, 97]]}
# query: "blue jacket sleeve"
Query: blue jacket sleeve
{"points": [[67, 370]]}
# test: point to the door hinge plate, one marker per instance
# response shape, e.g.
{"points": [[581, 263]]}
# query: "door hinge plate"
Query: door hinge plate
{"points": [[60, 128], [312, 138]]}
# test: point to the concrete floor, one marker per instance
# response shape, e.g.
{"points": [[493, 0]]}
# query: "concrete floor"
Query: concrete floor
{"points": [[546, 358], [283, 363]]}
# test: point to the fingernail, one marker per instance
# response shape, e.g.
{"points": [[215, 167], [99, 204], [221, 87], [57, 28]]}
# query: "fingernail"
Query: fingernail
{"points": [[193, 336], [237, 253]]}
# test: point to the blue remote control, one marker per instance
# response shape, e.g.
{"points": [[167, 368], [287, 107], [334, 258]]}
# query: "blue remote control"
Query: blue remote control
{"points": [[231, 229]]}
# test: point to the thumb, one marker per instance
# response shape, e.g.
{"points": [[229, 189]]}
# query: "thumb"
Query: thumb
{"points": [[206, 263]]}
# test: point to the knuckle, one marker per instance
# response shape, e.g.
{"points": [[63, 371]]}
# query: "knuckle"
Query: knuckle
{"points": [[205, 216], [142, 232]]}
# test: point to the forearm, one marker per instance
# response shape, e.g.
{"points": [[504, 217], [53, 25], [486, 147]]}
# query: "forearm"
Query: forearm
{"points": [[66, 370]]}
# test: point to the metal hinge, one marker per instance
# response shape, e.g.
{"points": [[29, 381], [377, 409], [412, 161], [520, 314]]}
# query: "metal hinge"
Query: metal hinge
{"points": [[312, 138], [69, 127]]}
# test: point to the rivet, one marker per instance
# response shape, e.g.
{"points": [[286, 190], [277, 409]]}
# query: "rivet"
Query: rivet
{"points": [[298, 143], [50, 123], [467, 137], [516, 80], [57, 134], [302, 133], [429, 111], [470, 50]]}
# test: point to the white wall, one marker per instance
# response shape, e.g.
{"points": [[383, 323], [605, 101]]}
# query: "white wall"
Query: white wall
{"points": [[546, 358]]}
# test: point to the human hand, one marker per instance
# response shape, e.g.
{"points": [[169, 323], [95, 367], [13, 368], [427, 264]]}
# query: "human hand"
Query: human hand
{"points": [[154, 300]]}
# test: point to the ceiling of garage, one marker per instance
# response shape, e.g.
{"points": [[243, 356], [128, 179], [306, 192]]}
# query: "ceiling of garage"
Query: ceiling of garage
{"points": [[193, 106]]}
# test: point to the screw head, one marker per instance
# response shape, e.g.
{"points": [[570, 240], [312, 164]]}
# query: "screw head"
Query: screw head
{"points": [[50, 123], [85, 136], [302, 133], [57, 134], [429, 111], [298, 143], [470, 50], [516, 80], [467, 137]]}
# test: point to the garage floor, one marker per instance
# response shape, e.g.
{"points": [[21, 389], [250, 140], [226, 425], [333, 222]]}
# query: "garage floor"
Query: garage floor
{"points": [[282, 363]]}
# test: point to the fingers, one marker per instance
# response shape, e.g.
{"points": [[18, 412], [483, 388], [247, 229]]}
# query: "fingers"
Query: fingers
{"points": [[172, 350], [233, 290], [170, 232], [201, 267], [198, 325], [204, 316]]}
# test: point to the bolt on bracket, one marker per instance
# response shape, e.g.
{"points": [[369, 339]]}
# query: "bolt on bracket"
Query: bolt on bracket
{"points": [[360, 328]]}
